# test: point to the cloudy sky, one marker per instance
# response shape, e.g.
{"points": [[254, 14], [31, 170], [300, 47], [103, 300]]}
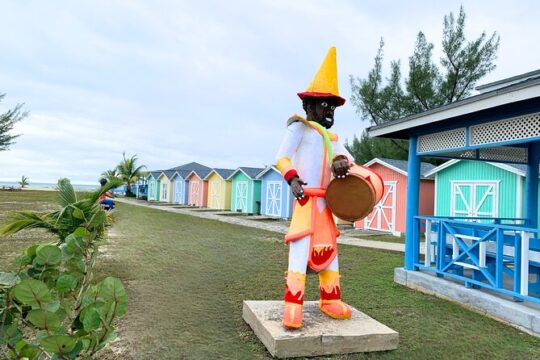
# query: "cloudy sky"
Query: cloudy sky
{"points": [[206, 81]]}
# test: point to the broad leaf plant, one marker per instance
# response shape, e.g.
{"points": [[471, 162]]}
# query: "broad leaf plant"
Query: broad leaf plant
{"points": [[51, 307]]}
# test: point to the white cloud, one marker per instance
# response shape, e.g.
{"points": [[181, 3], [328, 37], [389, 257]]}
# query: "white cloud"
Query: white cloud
{"points": [[211, 81]]}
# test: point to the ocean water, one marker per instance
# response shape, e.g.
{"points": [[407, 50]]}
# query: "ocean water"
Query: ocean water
{"points": [[46, 186]]}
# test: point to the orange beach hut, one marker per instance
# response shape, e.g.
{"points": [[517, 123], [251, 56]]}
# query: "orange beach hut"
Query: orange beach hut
{"points": [[389, 214]]}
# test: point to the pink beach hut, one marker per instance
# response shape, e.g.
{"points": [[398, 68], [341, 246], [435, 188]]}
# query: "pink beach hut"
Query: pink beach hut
{"points": [[198, 188], [389, 214]]}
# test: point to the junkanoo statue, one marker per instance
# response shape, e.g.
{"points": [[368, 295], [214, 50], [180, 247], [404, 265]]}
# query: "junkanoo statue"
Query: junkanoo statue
{"points": [[308, 158]]}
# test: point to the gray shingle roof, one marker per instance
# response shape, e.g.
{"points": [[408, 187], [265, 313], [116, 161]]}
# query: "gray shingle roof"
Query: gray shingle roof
{"points": [[155, 173], [249, 171], [199, 169], [183, 173], [192, 166], [267, 170], [402, 165], [168, 173], [224, 173]]}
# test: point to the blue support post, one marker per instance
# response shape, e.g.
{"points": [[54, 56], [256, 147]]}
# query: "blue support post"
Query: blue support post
{"points": [[413, 190], [531, 185]]}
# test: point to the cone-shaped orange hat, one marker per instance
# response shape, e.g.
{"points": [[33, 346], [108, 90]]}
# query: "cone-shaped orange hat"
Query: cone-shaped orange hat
{"points": [[325, 82]]}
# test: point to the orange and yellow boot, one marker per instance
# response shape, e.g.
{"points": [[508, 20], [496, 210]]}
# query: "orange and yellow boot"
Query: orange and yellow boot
{"points": [[330, 302], [294, 300]]}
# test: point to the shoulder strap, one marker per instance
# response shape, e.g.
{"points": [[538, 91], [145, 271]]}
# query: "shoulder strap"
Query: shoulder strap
{"points": [[320, 129]]}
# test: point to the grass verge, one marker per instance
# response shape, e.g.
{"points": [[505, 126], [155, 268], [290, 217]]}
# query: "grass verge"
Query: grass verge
{"points": [[187, 277]]}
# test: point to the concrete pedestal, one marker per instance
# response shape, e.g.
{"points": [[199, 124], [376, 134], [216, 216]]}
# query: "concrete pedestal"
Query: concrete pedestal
{"points": [[320, 335]]}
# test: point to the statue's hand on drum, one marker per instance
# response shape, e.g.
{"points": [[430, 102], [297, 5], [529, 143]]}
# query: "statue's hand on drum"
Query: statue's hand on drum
{"points": [[340, 167], [297, 187]]}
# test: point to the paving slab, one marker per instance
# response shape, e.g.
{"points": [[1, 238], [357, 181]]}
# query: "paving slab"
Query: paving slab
{"points": [[320, 335]]}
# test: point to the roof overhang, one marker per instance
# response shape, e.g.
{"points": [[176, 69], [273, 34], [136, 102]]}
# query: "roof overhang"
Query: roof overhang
{"points": [[266, 170], [193, 172], [455, 161], [175, 174], [162, 175], [210, 174], [239, 170], [385, 164], [403, 127]]}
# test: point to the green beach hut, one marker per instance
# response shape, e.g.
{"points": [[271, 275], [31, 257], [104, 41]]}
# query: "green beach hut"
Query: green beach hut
{"points": [[153, 185], [246, 190], [473, 189]]}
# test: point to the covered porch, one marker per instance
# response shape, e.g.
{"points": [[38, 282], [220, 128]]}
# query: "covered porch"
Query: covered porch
{"points": [[498, 255]]}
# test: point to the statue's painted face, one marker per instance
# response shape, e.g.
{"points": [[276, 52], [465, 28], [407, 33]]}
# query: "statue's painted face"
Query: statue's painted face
{"points": [[322, 111]]}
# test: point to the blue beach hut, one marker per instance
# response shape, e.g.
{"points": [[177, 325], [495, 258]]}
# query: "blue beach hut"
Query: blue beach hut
{"points": [[179, 184], [276, 198]]}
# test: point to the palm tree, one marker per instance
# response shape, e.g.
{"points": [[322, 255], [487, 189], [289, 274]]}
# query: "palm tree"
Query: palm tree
{"points": [[24, 182], [129, 172], [110, 175]]}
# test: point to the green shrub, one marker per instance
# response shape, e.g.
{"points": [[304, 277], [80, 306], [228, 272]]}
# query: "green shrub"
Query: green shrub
{"points": [[51, 307]]}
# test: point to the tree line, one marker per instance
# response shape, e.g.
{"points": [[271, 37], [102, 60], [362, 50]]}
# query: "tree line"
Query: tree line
{"points": [[380, 100]]}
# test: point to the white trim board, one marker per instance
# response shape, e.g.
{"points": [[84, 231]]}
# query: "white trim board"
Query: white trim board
{"points": [[474, 104], [496, 164], [267, 169], [379, 213]]}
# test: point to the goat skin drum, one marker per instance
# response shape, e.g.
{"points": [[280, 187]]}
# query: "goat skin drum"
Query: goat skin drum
{"points": [[353, 197]]}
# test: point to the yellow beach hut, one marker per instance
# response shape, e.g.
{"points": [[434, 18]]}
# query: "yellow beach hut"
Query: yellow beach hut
{"points": [[219, 189], [165, 190]]}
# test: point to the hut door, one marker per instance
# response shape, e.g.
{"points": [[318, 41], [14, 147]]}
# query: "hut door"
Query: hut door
{"points": [[151, 190], [216, 194], [194, 192], [178, 191], [241, 196], [164, 194], [475, 199], [273, 198], [383, 216]]}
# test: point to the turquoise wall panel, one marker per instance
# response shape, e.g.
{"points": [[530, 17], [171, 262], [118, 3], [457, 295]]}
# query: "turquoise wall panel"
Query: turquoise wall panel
{"points": [[475, 171], [256, 196]]}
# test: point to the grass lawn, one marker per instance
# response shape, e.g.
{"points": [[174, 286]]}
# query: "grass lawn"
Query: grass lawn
{"points": [[186, 278], [22, 200]]}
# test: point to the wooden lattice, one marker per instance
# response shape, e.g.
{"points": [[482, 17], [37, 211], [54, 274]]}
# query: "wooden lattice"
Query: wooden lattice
{"points": [[521, 127], [450, 139]]}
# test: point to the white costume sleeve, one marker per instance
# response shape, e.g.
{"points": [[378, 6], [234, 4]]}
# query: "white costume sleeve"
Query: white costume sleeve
{"points": [[290, 141], [339, 149]]}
